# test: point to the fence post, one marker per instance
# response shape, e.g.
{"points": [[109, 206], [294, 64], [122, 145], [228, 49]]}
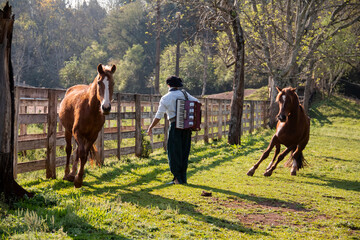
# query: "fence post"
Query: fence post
{"points": [[251, 124], [16, 130], [137, 125], [118, 125], [51, 135], [206, 124]]}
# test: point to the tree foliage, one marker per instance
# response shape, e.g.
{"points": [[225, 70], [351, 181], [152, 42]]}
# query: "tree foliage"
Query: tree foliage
{"points": [[56, 44]]}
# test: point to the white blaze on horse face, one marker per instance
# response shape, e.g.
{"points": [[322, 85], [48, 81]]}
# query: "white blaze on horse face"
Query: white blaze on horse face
{"points": [[106, 101]]}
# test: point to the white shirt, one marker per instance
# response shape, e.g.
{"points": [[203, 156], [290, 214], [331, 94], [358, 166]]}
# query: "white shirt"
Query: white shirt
{"points": [[168, 103]]}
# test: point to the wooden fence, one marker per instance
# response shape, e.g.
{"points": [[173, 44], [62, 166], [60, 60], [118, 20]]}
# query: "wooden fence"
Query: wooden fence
{"points": [[37, 108]]}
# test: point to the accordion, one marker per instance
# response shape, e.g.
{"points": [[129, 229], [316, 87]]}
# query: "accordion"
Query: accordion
{"points": [[188, 114]]}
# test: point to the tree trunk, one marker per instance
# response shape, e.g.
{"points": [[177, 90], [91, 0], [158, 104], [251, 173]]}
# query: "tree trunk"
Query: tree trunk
{"points": [[273, 107], [237, 100], [206, 51], [157, 57], [309, 86], [8, 185]]}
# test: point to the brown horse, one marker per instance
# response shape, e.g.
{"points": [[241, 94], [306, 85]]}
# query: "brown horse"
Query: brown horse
{"points": [[292, 130], [82, 113]]}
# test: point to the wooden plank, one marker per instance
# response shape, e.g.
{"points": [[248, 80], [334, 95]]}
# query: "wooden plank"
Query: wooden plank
{"points": [[32, 118], [157, 145], [31, 166], [32, 144]]}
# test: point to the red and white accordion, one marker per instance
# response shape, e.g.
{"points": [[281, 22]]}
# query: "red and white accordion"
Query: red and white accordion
{"points": [[188, 114]]}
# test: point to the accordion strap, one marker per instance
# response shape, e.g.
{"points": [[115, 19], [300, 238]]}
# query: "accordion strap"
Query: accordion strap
{"points": [[185, 94]]}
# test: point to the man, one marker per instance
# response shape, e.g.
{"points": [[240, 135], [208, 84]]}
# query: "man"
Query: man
{"points": [[179, 140]]}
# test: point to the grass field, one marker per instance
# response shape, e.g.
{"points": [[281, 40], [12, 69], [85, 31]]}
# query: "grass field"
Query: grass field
{"points": [[129, 198]]}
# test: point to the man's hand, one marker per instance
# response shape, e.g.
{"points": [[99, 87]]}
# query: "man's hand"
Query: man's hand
{"points": [[153, 123], [149, 131]]}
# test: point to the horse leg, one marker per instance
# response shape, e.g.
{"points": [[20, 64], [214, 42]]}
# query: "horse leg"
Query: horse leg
{"points": [[280, 158], [68, 136], [275, 155], [71, 176], [272, 143], [295, 156], [298, 154], [83, 153]]}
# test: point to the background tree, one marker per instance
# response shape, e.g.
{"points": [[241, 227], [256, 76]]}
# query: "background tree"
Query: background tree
{"points": [[191, 68], [336, 57], [128, 75], [285, 36]]}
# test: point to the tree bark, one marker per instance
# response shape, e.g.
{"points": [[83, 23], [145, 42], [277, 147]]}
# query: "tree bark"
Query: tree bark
{"points": [[8, 185], [309, 86], [157, 57], [273, 107], [237, 100]]}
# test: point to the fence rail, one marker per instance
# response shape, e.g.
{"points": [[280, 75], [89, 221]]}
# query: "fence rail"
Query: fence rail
{"points": [[37, 108]]}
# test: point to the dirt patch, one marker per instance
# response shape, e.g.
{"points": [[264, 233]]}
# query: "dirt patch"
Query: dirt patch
{"points": [[270, 212]]}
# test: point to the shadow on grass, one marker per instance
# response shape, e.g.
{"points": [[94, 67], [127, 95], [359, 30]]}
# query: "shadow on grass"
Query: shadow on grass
{"points": [[316, 114], [143, 196], [335, 183], [61, 218], [337, 106]]}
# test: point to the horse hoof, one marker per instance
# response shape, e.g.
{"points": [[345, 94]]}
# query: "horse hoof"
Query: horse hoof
{"points": [[69, 178], [267, 173], [293, 173], [251, 172], [78, 182]]}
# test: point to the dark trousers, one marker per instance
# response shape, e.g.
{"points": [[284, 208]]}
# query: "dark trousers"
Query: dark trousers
{"points": [[178, 147]]}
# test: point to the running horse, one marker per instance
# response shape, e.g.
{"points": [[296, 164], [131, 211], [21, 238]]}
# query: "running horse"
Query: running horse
{"points": [[292, 130], [82, 113]]}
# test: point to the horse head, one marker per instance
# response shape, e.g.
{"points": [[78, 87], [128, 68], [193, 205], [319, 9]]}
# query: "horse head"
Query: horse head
{"points": [[288, 102], [105, 83]]}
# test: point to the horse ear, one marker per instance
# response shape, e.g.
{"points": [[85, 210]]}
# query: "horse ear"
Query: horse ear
{"points": [[113, 69], [279, 89], [100, 69]]}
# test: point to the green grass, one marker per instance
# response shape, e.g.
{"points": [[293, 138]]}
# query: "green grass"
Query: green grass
{"points": [[129, 198], [260, 94]]}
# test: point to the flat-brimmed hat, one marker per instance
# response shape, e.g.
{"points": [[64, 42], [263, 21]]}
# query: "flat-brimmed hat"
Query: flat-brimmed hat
{"points": [[174, 81]]}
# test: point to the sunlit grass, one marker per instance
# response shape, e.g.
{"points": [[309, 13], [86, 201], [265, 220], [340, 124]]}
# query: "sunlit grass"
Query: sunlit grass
{"points": [[129, 198]]}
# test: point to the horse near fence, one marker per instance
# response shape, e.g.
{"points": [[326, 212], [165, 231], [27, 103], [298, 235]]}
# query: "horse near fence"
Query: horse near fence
{"points": [[38, 128], [292, 130], [82, 113]]}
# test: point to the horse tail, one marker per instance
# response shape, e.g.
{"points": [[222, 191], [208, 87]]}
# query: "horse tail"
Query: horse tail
{"points": [[300, 161], [94, 156]]}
